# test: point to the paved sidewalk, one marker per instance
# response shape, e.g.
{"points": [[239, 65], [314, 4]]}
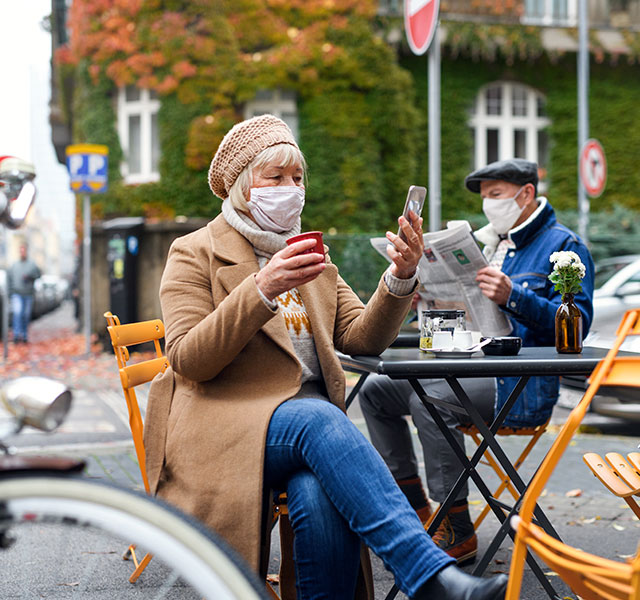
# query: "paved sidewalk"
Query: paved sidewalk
{"points": [[584, 514]]}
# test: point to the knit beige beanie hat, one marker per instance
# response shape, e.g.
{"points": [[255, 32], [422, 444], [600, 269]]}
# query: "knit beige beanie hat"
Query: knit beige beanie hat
{"points": [[243, 142]]}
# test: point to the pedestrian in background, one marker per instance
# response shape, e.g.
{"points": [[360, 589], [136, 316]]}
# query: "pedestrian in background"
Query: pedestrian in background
{"points": [[22, 275]]}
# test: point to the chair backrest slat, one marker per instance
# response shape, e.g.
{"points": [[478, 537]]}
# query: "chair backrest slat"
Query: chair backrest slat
{"points": [[136, 333], [142, 372], [132, 334]]}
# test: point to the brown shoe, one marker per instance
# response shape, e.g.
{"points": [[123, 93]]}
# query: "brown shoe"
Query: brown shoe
{"points": [[456, 535], [414, 491]]}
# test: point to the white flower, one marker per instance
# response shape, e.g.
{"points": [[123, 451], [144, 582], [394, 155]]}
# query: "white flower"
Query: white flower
{"points": [[566, 258], [567, 272]]}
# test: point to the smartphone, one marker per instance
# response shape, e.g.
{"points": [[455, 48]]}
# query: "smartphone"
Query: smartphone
{"points": [[414, 202]]}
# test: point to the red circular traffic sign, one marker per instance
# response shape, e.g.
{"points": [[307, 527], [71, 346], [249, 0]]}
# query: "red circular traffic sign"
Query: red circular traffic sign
{"points": [[420, 22], [593, 168]]}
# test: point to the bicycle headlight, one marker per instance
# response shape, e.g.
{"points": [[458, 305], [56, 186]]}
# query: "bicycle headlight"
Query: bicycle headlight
{"points": [[37, 401]]}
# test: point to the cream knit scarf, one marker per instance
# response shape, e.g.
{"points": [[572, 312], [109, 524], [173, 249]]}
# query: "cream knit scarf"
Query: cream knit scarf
{"points": [[265, 243]]}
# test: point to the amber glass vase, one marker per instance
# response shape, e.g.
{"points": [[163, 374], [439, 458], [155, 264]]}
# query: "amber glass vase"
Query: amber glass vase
{"points": [[568, 326]]}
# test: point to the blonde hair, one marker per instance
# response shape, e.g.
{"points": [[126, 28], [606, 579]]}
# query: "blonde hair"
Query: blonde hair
{"points": [[284, 155]]}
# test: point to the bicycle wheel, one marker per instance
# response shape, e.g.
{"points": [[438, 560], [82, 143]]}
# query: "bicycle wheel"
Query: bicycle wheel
{"points": [[70, 532]]}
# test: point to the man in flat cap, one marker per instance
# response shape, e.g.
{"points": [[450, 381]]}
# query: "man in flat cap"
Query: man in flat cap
{"points": [[521, 235]]}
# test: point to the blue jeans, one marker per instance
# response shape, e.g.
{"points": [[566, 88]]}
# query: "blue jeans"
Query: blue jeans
{"points": [[21, 311], [340, 491]]}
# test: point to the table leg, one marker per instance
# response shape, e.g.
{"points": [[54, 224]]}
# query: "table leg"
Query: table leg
{"points": [[470, 471], [479, 453], [462, 457], [469, 465], [498, 452], [356, 388]]}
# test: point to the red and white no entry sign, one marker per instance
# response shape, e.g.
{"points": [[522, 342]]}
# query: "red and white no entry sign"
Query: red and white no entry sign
{"points": [[420, 21], [593, 168]]}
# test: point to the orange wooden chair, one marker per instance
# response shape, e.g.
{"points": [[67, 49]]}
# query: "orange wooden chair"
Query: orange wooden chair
{"points": [[130, 334], [590, 576], [132, 375]]}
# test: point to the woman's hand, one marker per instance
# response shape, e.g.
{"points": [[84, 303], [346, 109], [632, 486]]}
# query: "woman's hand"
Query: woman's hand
{"points": [[288, 269], [405, 255]]}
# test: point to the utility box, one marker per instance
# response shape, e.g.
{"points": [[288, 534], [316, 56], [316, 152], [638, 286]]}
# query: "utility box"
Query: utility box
{"points": [[123, 248]]}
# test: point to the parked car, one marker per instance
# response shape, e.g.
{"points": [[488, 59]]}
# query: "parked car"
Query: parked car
{"points": [[617, 290], [607, 267]]}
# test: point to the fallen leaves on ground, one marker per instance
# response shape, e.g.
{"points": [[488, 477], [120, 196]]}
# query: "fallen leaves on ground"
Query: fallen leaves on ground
{"points": [[591, 429], [62, 355], [574, 493]]}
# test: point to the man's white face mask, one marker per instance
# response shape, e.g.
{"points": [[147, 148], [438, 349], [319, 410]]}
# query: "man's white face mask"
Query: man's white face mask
{"points": [[276, 208], [502, 212]]}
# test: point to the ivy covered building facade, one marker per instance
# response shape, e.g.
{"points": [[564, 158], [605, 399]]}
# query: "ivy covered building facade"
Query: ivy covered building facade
{"points": [[161, 81]]}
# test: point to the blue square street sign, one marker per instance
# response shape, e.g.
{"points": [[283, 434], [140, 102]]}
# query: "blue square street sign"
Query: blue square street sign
{"points": [[87, 164]]}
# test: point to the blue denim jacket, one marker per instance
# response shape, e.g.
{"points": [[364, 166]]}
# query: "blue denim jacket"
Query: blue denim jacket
{"points": [[532, 306]]}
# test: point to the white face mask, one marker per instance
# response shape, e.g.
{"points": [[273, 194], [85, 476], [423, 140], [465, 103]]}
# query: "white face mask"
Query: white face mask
{"points": [[276, 208], [502, 212]]}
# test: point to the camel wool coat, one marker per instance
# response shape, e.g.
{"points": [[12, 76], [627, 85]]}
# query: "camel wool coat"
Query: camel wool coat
{"points": [[231, 364]]}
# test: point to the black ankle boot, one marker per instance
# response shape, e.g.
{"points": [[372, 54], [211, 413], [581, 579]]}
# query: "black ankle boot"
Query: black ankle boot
{"points": [[453, 583]]}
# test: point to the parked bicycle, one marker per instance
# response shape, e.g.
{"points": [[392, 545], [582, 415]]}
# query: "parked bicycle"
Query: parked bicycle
{"points": [[61, 530]]}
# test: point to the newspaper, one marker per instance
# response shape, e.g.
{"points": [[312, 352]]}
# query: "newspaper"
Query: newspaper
{"points": [[447, 273]]}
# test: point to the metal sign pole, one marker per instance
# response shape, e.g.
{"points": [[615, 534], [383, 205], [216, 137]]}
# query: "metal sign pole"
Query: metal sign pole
{"points": [[86, 270], [88, 173], [583, 112], [435, 192]]}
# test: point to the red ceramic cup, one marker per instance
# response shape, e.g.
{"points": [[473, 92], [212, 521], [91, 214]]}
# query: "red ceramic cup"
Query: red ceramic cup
{"points": [[316, 235]]}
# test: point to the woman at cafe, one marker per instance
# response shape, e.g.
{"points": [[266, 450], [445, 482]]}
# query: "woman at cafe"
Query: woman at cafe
{"points": [[253, 401]]}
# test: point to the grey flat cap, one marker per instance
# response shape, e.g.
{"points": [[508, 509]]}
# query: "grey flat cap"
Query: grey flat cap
{"points": [[514, 170]]}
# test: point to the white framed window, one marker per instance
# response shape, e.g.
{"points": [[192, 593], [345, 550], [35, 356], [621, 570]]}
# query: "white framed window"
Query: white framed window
{"points": [[138, 131], [508, 120], [550, 12], [278, 102]]}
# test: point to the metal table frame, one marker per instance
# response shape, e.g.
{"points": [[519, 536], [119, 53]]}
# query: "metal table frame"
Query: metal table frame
{"points": [[412, 365]]}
